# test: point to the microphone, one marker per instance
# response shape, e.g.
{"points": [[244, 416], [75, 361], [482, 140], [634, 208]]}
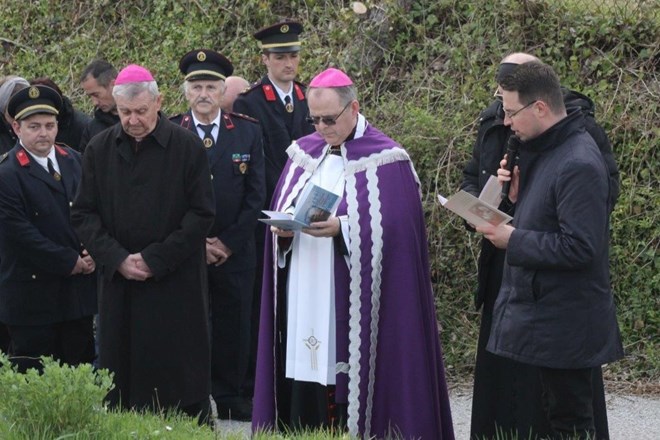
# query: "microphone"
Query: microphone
{"points": [[511, 158]]}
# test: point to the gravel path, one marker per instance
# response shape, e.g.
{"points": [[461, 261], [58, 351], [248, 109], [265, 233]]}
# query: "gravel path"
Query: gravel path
{"points": [[630, 417]]}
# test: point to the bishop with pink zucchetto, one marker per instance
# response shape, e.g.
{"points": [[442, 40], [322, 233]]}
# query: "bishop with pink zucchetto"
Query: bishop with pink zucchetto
{"points": [[143, 209], [133, 73], [352, 293], [331, 78]]}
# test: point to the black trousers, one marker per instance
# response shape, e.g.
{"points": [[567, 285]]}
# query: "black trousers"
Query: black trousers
{"points": [[71, 342], [568, 396], [231, 309]]}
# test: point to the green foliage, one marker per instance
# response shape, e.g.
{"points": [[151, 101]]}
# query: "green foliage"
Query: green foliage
{"points": [[67, 403], [424, 71], [62, 400]]}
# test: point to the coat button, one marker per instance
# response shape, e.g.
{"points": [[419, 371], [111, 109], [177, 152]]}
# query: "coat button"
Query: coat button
{"points": [[483, 171], [211, 176], [70, 204], [34, 277]]}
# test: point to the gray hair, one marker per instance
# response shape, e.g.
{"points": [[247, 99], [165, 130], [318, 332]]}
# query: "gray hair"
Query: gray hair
{"points": [[131, 90], [10, 85], [346, 94]]}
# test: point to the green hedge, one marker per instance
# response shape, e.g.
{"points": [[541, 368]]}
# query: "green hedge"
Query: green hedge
{"points": [[424, 69]]}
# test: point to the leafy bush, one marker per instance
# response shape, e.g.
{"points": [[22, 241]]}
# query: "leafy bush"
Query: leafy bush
{"points": [[68, 402], [60, 401]]}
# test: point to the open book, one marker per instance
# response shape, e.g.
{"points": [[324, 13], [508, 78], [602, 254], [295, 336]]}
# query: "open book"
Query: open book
{"points": [[478, 211], [315, 204]]}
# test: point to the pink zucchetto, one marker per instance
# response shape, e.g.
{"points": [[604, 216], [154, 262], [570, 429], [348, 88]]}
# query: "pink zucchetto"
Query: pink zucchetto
{"points": [[331, 78], [133, 73]]}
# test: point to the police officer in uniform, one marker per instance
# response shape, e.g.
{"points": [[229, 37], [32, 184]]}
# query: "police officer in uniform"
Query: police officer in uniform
{"points": [[47, 298], [234, 147], [278, 102]]}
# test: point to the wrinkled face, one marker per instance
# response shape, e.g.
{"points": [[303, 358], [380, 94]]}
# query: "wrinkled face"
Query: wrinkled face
{"points": [[325, 105], [101, 96], [138, 115], [204, 97], [37, 133], [282, 66], [520, 116]]}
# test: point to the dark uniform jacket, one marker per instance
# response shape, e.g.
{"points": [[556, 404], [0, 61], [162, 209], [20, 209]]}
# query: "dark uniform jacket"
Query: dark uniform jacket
{"points": [[555, 308], [280, 128], [489, 149], [7, 136], [159, 202], [237, 172], [70, 125], [99, 122], [38, 246]]}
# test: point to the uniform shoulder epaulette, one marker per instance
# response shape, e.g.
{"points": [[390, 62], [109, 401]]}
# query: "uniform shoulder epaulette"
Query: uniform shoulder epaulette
{"points": [[246, 117], [254, 86], [62, 148], [4, 157], [183, 119]]}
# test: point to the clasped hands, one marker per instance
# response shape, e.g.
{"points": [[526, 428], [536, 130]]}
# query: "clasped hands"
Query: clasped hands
{"points": [[84, 265], [135, 268], [217, 252]]}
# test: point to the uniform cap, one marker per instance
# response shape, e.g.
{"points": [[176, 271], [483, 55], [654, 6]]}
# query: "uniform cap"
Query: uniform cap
{"points": [[205, 64], [133, 73], [280, 37], [331, 78], [33, 100]]}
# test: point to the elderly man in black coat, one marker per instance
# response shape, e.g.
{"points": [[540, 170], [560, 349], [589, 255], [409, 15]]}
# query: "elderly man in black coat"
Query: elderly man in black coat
{"points": [[555, 309], [144, 209]]}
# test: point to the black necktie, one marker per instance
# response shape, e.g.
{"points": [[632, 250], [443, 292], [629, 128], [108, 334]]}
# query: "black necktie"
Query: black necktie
{"points": [[208, 134], [288, 105], [51, 170]]}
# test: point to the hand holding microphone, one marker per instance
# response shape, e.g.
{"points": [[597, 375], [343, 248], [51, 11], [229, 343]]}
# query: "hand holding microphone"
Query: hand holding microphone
{"points": [[512, 148]]}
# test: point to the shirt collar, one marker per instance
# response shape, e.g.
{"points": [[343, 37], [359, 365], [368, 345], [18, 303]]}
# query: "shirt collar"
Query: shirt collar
{"points": [[216, 121]]}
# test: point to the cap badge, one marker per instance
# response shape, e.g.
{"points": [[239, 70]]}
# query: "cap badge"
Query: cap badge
{"points": [[33, 93], [284, 29], [201, 56]]}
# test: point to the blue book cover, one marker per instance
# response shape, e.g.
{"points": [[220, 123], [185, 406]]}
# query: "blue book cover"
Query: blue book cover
{"points": [[315, 204]]}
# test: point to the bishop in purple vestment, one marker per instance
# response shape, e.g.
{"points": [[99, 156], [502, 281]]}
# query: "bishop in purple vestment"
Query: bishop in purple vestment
{"points": [[386, 375]]}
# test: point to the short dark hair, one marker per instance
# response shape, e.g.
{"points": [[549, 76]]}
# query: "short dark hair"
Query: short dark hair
{"points": [[535, 81], [102, 71]]}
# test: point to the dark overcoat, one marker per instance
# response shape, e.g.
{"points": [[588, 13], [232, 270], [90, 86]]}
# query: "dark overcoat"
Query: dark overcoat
{"points": [[38, 246], [555, 308], [279, 128], [157, 201]]}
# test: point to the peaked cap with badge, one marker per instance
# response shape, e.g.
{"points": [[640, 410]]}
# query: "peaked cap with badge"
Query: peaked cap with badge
{"points": [[280, 37], [205, 64], [32, 100]]}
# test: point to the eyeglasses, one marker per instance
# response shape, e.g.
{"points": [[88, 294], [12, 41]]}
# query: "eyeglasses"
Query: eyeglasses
{"points": [[327, 120], [510, 115]]}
